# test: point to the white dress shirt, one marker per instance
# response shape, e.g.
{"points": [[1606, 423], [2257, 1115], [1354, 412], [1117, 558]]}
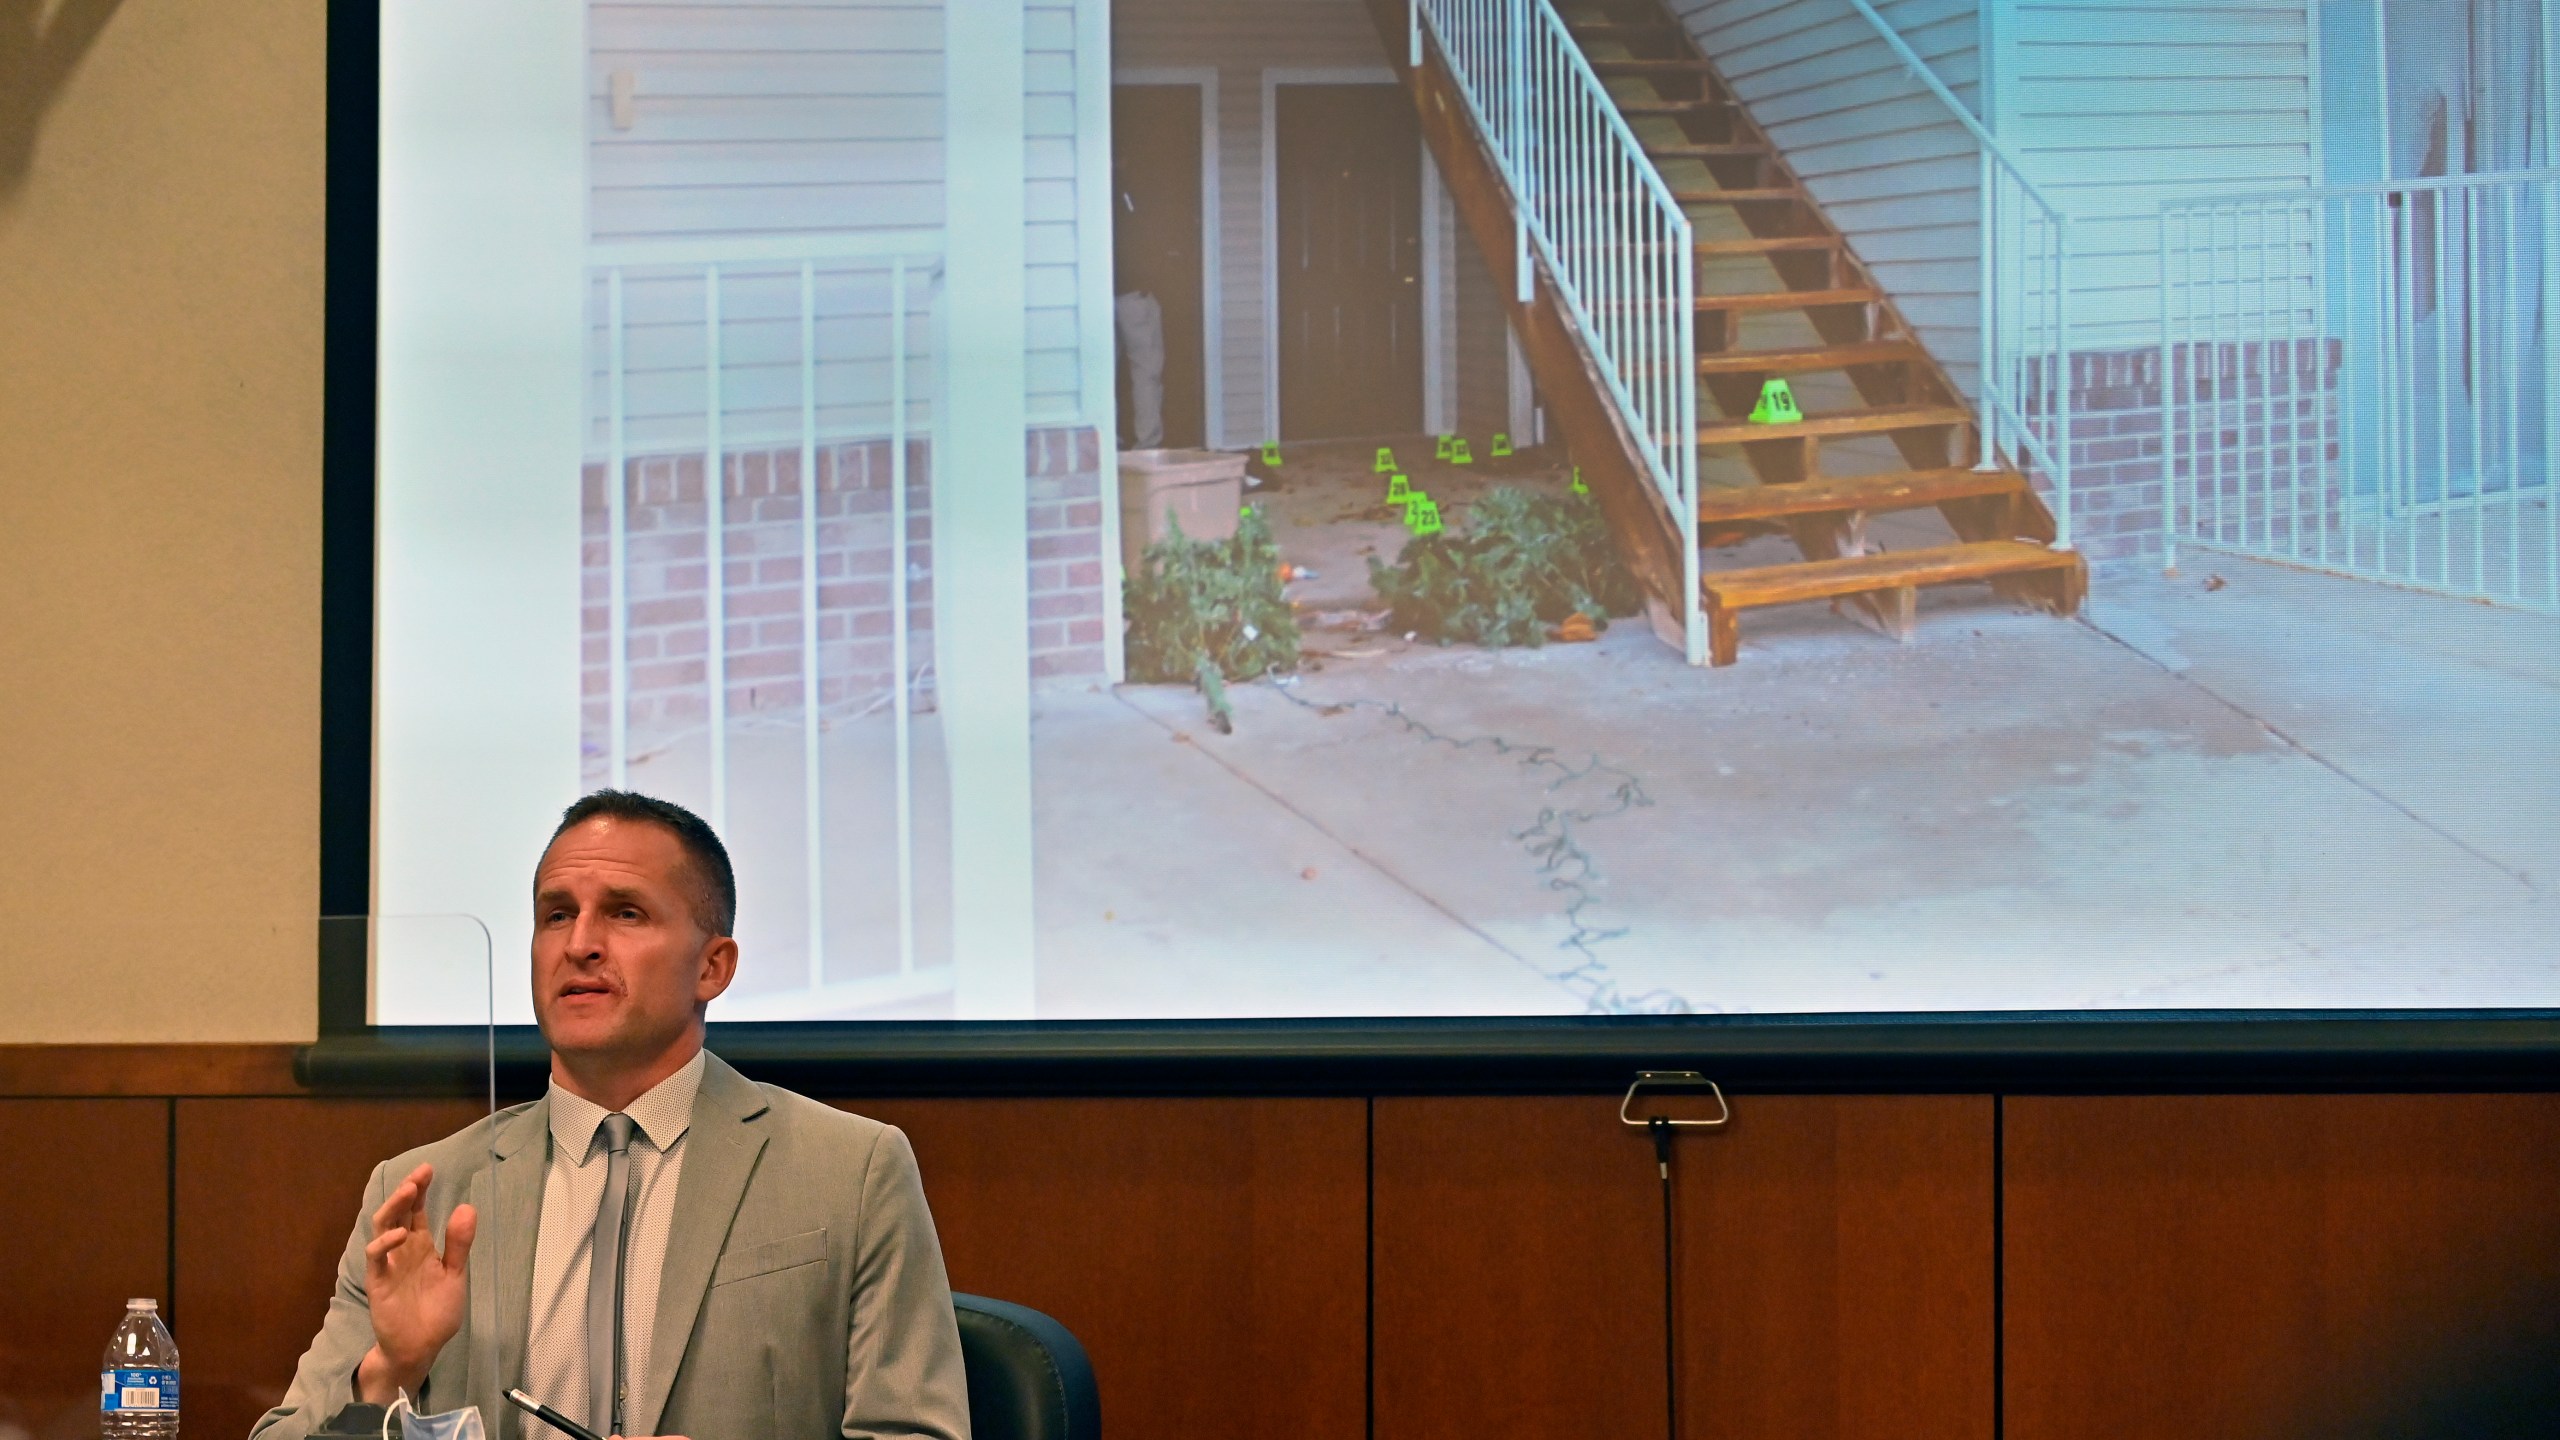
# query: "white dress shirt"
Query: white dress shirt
{"points": [[555, 1366]]}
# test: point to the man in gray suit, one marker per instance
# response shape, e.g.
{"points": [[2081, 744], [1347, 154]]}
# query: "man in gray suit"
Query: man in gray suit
{"points": [[668, 1248]]}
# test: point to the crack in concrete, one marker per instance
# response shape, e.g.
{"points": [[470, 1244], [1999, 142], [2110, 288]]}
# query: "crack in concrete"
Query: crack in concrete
{"points": [[1550, 840]]}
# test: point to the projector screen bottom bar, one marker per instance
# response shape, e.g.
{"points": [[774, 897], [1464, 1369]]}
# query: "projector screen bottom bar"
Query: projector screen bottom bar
{"points": [[2183, 1051]]}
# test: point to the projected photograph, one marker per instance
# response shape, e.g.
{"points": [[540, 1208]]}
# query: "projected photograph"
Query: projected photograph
{"points": [[1567, 507]]}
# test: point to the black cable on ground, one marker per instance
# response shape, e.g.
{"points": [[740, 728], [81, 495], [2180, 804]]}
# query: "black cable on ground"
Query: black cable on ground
{"points": [[1550, 840]]}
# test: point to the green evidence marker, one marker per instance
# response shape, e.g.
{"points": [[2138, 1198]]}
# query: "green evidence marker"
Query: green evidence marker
{"points": [[1422, 517], [1399, 490], [1271, 453], [1501, 445], [1578, 487], [1385, 463], [1458, 454], [1777, 405], [1441, 450]]}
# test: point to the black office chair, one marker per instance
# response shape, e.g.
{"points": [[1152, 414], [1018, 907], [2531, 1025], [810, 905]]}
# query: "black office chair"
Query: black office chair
{"points": [[1028, 1378]]}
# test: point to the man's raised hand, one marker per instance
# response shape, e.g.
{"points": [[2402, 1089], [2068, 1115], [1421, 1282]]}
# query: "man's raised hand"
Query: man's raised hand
{"points": [[417, 1296]]}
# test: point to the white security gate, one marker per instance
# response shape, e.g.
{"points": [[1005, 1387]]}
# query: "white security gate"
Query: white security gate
{"points": [[759, 644], [2360, 379]]}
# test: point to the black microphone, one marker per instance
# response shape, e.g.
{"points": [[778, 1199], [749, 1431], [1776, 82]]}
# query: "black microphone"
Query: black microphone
{"points": [[550, 1417]]}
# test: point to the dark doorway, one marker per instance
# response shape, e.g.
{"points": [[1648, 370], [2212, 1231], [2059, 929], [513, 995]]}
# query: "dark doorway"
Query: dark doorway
{"points": [[1349, 185], [1155, 219]]}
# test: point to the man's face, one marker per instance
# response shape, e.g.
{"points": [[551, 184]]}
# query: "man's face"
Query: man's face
{"points": [[620, 965]]}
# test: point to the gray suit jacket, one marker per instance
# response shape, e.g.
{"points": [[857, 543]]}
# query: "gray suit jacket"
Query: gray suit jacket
{"points": [[803, 1294]]}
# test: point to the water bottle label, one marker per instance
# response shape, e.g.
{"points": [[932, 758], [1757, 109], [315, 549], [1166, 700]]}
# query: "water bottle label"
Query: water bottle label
{"points": [[130, 1390]]}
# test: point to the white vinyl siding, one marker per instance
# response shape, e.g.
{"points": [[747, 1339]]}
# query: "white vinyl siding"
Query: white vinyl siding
{"points": [[663, 355], [792, 117], [2113, 107], [1240, 417], [1054, 372], [2109, 105], [1482, 342], [1890, 166]]}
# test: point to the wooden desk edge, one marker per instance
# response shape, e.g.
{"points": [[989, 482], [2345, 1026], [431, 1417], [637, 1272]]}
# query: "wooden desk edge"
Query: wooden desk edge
{"points": [[62, 1071]]}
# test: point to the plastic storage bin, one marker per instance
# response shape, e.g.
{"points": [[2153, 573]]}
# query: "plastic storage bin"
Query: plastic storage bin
{"points": [[1201, 488]]}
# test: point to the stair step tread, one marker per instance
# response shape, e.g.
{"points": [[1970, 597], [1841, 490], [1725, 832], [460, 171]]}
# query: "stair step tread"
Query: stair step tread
{"points": [[1672, 107], [1890, 490], [1637, 66], [1760, 300], [1874, 420], [1611, 29], [1802, 359], [1735, 194], [1722, 195], [1826, 579], [1763, 244], [1704, 150], [1744, 245], [1789, 299]]}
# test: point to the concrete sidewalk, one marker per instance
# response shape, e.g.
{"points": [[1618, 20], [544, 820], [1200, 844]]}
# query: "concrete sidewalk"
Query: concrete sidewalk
{"points": [[2284, 789]]}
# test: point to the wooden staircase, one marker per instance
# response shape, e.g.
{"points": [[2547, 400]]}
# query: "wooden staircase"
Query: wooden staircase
{"points": [[1780, 296]]}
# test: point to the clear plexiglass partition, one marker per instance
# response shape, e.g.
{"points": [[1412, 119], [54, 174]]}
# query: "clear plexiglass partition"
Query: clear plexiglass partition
{"points": [[445, 965]]}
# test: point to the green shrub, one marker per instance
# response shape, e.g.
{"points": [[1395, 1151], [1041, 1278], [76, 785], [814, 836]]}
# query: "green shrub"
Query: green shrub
{"points": [[1217, 600], [1524, 561]]}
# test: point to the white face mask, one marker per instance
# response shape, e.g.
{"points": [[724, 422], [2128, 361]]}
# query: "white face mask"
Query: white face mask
{"points": [[462, 1424]]}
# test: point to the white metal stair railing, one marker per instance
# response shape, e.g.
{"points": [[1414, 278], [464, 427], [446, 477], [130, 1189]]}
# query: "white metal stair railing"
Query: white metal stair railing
{"points": [[2361, 379], [2023, 391], [1590, 209], [768, 344]]}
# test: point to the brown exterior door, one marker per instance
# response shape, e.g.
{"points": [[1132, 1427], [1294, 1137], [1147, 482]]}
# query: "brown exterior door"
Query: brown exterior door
{"points": [[1155, 220], [1349, 185]]}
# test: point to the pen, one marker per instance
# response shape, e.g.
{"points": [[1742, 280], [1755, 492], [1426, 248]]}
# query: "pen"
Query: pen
{"points": [[550, 1417]]}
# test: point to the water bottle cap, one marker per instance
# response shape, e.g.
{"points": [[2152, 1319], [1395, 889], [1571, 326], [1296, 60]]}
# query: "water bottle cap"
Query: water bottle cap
{"points": [[142, 1304]]}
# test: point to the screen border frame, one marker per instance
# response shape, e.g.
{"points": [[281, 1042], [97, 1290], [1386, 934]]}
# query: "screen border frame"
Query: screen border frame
{"points": [[1918, 1050], [349, 395]]}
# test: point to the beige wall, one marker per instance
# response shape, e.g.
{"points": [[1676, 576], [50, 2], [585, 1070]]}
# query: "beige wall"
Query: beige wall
{"points": [[160, 378]]}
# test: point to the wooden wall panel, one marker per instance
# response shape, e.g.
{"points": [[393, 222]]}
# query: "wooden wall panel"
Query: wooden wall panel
{"points": [[84, 1226], [68, 1071], [2282, 1265], [1209, 1253], [1518, 1270], [2234, 1266], [267, 1190], [1835, 1260]]}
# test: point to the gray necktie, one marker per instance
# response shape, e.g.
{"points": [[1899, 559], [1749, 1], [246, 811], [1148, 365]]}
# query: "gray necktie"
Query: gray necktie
{"points": [[604, 1281]]}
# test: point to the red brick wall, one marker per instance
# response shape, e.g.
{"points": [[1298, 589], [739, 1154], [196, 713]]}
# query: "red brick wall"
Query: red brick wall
{"points": [[1066, 555], [667, 568], [2277, 404]]}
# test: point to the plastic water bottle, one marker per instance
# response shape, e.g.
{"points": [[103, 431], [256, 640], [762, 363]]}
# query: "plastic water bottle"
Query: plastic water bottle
{"points": [[138, 1381]]}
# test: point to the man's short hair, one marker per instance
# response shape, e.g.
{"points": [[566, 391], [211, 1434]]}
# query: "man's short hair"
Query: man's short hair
{"points": [[714, 884]]}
